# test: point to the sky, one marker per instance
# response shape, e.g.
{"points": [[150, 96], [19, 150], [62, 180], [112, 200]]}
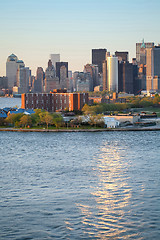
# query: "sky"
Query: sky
{"points": [[33, 29]]}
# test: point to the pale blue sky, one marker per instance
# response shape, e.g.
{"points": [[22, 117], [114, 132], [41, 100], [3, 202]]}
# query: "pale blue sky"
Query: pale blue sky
{"points": [[32, 29]]}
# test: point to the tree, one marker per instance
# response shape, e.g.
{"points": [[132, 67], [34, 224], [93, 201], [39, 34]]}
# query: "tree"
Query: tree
{"points": [[14, 117], [25, 120], [48, 119], [57, 119]]}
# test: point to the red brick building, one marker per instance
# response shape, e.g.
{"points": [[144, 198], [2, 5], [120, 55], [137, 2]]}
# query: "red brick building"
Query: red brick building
{"points": [[53, 102]]}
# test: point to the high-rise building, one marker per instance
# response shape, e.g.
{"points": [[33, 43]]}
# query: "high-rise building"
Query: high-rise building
{"points": [[141, 51], [58, 66], [122, 56], [3, 82], [98, 56], [93, 70], [63, 77], [55, 58], [23, 77], [125, 77], [105, 75], [12, 66], [51, 81], [11, 70], [112, 73], [153, 68], [38, 83]]}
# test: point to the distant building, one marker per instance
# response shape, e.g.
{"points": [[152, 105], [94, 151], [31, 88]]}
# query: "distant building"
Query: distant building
{"points": [[153, 68], [83, 86], [98, 56], [105, 75], [3, 82], [23, 78], [125, 77], [64, 81], [93, 70], [82, 81], [55, 58], [58, 67], [140, 51], [12, 65], [51, 81], [122, 56], [53, 102], [38, 83], [112, 73]]}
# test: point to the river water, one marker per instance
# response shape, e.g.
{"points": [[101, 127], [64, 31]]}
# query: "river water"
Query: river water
{"points": [[103, 185]]}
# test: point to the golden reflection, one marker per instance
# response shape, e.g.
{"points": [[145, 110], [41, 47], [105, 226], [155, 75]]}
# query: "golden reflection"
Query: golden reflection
{"points": [[104, 215]]}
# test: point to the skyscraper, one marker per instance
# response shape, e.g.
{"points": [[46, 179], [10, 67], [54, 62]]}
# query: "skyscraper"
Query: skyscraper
{"points": [[51, 81], [112, 73], [153, 68], [55, 58], [125, 77], [123, 56], [140, 51], [98, 56], [11, 70], [38, 83], [12, 65], [58, 66], [93, 70], [23, 76]]}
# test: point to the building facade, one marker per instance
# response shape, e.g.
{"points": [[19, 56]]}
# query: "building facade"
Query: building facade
{"points": [[122, 56], [38, 82], [98, 56], [51, 81], [55, 58], [141, 51], [153, 68], [112, 73], [53, 102]]}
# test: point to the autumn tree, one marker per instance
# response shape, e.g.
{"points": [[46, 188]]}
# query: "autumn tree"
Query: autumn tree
{"points": [[25, 120]]}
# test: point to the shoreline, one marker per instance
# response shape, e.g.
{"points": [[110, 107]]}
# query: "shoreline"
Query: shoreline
{"points": [[80, 130]]}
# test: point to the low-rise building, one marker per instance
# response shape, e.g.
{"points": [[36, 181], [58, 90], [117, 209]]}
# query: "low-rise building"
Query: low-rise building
{"points": [[53, 102]]}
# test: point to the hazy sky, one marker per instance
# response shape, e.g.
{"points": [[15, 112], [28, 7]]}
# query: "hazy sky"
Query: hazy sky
{"points": [[32, 29]]}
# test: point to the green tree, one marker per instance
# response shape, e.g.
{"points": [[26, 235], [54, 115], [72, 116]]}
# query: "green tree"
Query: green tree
{"points": [[14, 117], [57, 120]]}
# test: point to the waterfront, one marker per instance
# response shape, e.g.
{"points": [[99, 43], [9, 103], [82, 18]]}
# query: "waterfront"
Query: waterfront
{"points": [[9, 102], [102, 185]]}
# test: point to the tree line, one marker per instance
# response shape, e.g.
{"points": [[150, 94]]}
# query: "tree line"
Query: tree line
{"points": [[39, 118]]}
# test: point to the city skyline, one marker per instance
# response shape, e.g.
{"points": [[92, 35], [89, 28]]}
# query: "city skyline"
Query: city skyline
{"points": [[33, 30]]}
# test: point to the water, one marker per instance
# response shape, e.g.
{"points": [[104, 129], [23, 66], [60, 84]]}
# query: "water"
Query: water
{"points": [[10, 102], [80, 185]]}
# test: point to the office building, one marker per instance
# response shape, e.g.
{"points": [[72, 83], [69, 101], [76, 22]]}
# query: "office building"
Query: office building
{"points": [[23, 78], [3, 82], [125, 77], [122, 56], [112, 73], [55, 58], [51, 81], [153, 68], [93, 70], [64, 81], [141, 51], [105, 75], [12, 65], [38, 82], [98, 56], [58, 67]]}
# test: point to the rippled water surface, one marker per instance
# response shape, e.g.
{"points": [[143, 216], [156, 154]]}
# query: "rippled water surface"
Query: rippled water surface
{"points": [[80, 185]]}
